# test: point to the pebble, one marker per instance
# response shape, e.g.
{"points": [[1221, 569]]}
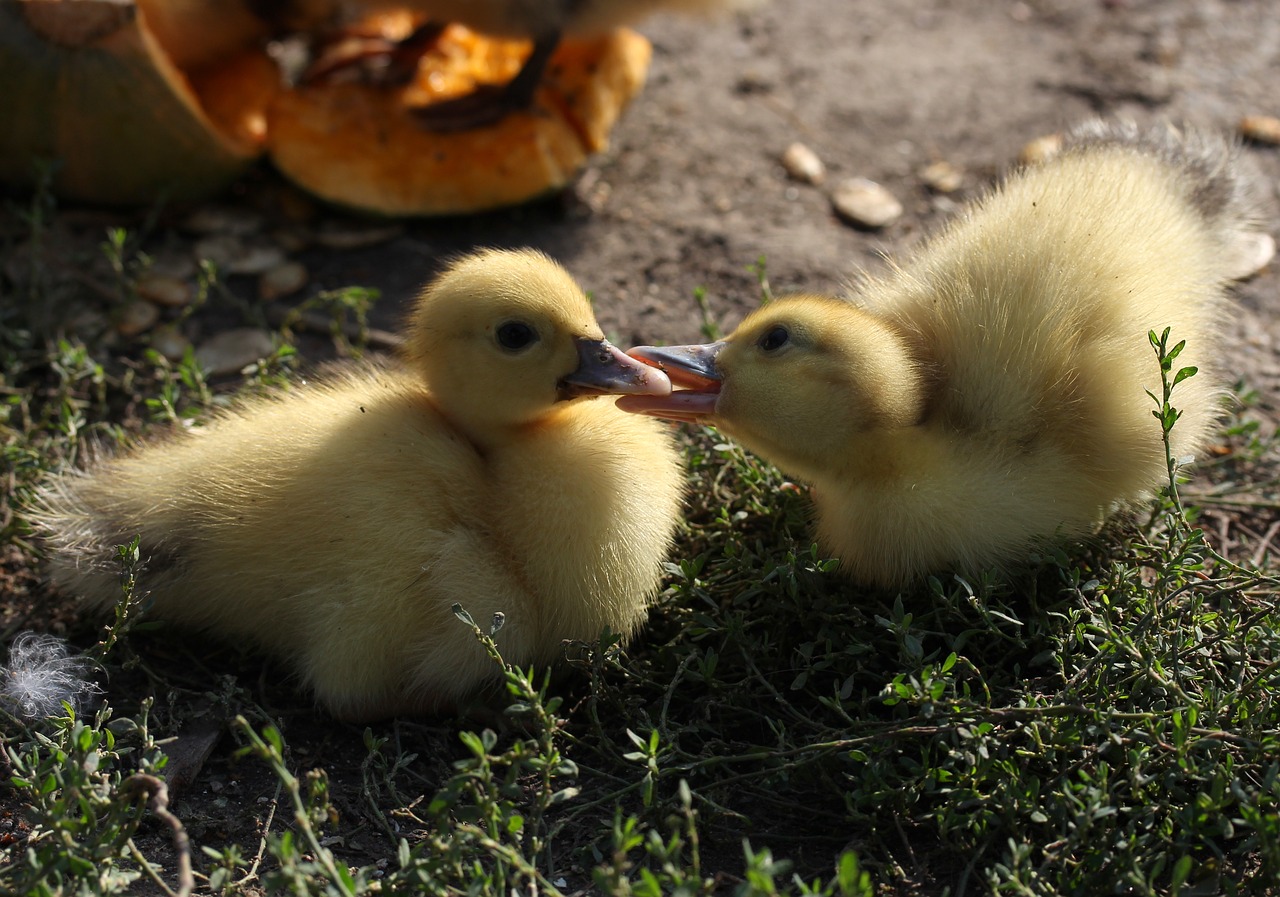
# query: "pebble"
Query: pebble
{"points": [[1249, 254], [1041, 149], [865, 203], [257, 260], [1261, 129], [231, 351], [163, 290], [88, 323], [212, 220], [282, 280], [137, 317], [170, 342], [802, 164], [336, 235], [942, 177], [222, 250], [178, 265], [292, 238]]}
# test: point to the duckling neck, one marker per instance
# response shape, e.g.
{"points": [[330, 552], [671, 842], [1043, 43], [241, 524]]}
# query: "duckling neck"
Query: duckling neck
{"points": [[486, 437]]}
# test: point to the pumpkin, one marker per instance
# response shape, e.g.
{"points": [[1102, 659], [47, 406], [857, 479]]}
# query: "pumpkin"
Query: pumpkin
{"points": [[360, 145], [89, 88]]}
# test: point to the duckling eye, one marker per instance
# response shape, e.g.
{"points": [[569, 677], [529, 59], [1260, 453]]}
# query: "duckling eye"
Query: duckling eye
{"points": [[516, 335], [775, 338]]}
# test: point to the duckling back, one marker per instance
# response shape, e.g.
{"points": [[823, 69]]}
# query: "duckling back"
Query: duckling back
{"points": [[1030, 318]]}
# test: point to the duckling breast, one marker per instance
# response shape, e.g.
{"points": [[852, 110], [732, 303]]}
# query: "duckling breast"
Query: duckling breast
{"points": [[590, 504]]}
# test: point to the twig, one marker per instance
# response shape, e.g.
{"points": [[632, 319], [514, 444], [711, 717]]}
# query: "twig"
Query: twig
{"points": [[314, 322], [1265, 544], [158, 802], [262, 842]]}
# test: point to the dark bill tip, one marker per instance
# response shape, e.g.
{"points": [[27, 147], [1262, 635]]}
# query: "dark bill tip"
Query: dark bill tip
{"points": [[692, 367], [603, 369]]}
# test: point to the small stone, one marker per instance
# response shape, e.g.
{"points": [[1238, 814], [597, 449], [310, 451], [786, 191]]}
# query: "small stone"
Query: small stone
{"points": [[1261, 129], [170, 342], [292, 238], [1042, 149], [945, 205], [162, 290], [222, 250], [136, 317], [282, 280], [257, 260], [211, 220], [1164, 47], [865, 203], [802, 164], [173, 264], [942, 177], [1248, 254], [336, 235], [231, 351], [88, 323]]}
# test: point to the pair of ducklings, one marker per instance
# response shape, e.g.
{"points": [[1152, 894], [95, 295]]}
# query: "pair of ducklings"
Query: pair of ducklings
{"points": [[987, 396]]}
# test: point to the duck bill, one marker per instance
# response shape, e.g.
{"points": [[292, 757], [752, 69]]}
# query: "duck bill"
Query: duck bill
{"points": [[604, 369], [694, 368]]}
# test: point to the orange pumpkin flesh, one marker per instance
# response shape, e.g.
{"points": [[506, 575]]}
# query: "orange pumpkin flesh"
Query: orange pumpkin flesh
{"points": [[361, 146]]}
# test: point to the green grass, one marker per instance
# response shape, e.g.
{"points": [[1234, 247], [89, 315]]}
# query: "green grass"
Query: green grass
{"points": [[1106, 723]]}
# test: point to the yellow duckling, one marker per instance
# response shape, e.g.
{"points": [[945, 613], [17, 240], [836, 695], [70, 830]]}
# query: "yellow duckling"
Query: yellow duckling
{"points": [[991, 393], [336, 524]]}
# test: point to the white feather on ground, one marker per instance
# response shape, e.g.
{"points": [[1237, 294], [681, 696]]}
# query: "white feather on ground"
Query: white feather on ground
{"points": [[42, 674]]}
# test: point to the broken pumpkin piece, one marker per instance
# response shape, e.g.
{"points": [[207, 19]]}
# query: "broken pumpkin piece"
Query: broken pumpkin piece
{"points": [[363, 146], [197, 33], [237, 95], [89, 87]]}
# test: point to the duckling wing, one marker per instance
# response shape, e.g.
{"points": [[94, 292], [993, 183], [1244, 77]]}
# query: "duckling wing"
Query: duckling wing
{"points": [[324, 524], [1035, 310]]}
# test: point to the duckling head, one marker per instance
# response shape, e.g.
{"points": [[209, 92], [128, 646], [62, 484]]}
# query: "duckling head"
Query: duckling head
{"points": [[800, 381], [501, 337]]}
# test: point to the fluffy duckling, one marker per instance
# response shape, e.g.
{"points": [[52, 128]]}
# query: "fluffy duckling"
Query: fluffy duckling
{"points": [[335, 524], [544, 21], [991, 393]]}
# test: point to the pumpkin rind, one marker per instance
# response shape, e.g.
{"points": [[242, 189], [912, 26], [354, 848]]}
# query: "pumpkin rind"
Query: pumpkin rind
{"points": [[115, 114], [360, 146]]}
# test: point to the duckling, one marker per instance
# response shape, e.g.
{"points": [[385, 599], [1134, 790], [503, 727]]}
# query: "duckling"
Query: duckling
{"points": [[335, 524], [991, 394], [544, 21]]}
